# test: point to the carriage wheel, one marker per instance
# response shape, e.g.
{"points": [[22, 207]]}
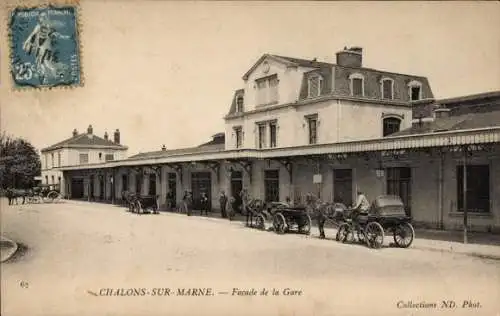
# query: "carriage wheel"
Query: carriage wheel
{"points": [[260, 222], [403, 235], [344, 233], [279, 223], [374, 235], [53, 196], [305, 228]]}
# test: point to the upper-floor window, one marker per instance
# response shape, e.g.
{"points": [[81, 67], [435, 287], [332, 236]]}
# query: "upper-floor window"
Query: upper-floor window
{"points": [[415, 90], [238, 132], [314, 85], [59, 159], [391, 125], [239, 104], [357, 83], [109, 157], [261, 135], [84, 158], [387, 88], [52, 160], [312, 126], [100, 156], [267, 90], [46, 161], [53, 180], [272, 134]]}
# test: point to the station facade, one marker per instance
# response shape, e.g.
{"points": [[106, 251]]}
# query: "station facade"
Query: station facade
{"points": [[301, 126]]}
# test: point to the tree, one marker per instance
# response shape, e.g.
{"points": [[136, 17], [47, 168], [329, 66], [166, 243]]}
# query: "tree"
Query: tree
{"points": [[19, 162]]}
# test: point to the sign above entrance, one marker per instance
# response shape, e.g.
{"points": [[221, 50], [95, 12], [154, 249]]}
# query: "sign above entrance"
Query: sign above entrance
{"points": [[317, 178]]}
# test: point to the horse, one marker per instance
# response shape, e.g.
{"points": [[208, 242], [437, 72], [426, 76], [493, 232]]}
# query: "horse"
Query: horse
{"points": [[14, 194], [129, 198]]}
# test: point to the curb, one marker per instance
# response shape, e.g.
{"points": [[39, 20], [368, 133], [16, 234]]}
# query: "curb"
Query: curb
{"points": [[464, 253], [10, 251]]}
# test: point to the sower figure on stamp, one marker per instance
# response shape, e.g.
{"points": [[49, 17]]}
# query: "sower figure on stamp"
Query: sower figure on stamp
{"points": [[223, 203], [40, 44]]}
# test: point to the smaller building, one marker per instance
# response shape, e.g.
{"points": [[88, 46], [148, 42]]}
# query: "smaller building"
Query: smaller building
{"points": [[80, 149]]}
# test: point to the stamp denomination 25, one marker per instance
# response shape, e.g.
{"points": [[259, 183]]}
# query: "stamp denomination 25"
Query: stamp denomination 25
{"points": [[45, 48]]}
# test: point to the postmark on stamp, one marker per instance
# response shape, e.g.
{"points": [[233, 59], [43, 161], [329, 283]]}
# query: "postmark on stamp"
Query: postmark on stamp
{"points": [[45, 50]]}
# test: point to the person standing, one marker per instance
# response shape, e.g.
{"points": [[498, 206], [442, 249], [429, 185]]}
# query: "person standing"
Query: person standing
{"points": [[223, 203], [204, 203], [189, 203]]}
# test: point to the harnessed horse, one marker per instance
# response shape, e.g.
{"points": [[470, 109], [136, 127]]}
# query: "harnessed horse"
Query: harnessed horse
{"points": [[14, 194]]}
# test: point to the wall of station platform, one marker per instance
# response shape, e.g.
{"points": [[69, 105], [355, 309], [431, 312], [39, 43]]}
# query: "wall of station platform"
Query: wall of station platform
{"points": [[428, 184]]}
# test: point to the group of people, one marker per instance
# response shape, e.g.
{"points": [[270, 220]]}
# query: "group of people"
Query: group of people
{"points": [[238, 203], [228, 206]]}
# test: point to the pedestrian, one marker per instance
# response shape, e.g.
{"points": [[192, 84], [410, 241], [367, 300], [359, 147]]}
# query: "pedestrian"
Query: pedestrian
{"points": [[232, 208], [183, 207], [189, 203], [204, 203], [223, 202], [169, 201]]}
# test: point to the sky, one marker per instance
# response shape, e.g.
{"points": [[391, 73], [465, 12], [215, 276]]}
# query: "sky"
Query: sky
{"points": [[164, 72]]}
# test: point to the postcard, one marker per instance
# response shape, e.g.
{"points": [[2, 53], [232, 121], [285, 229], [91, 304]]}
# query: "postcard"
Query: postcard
{"points": [[249, 158]]}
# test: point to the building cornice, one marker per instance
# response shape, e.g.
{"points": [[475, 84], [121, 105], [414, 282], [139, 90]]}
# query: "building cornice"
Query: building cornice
{"points": [[323, 98], [426, 140]]}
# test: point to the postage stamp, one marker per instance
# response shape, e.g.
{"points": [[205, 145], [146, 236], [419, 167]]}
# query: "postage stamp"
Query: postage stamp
{"points": [[45, 51]]}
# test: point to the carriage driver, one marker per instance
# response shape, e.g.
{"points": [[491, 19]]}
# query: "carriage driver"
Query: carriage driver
{"points": [[362, 204]]}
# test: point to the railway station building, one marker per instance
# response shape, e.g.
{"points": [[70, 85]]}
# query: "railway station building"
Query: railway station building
{"points": [[301, 126]]}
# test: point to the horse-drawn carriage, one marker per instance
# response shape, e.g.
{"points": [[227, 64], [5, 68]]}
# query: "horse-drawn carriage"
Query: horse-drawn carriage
{"points": [[386, 214], [43, 193], [141, 204], [287, 218]]}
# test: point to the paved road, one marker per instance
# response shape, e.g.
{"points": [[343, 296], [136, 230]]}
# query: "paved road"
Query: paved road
{"points": [[78, 249]]}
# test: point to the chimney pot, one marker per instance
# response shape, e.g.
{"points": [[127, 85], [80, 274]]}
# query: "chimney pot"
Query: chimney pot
{"points": [[163, 148], [106, 136], [75, 133], [117, 136], [90, 129]]}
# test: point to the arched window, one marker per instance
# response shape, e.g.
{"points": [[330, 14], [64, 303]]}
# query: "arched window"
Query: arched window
{"points": [[391, 125], [387, 88], [415, 90], [357, 84]]}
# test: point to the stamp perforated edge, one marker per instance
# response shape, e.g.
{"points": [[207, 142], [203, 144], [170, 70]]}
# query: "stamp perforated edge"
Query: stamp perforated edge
{"points": [[31, 4]]}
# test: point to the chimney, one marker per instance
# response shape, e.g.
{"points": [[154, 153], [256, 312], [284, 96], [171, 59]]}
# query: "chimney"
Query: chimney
{"points": [[441, 112], [117, 136], [90, 130], [106, 135], [350, 57], [75, 133], [164, 148]]}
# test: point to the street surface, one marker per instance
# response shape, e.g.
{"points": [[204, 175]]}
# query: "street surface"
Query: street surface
{"points": [[77, 256]]}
